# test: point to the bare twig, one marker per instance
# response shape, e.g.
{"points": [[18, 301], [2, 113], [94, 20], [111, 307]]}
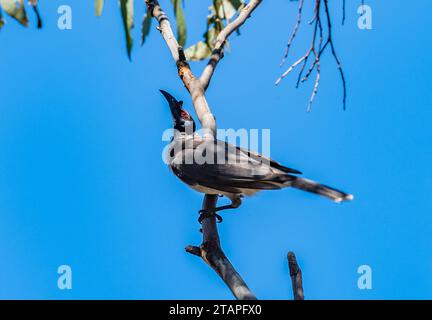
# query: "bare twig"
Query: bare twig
{"points": [[217, 53], [315, 89], [330, 41], [210, 250], [317, 26], [291, 68], [317, 53], [294, 33], [296, 277], [343, 12]]}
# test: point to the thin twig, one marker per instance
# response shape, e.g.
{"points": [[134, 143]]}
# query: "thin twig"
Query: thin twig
{"points": [[330, 41], [295, 64], [317, 56], [294, 33], [316, 64], [317, 20], [315, 89], [343, 12]]}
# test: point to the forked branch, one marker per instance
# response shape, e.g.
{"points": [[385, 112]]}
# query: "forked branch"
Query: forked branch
{"points": [[217, 53], [210, 250]]}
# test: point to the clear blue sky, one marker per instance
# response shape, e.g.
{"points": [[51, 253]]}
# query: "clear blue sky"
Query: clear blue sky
{"points": [[82, 182]]}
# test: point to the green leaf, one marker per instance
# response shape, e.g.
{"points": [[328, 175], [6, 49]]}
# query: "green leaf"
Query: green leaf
{"points": [[15, 8], [220, 13], [210, 37], [199, 51], [146, 24], [99, 4], [181, 22], [227, 9], [1, 19], [127, 12], [217, 7], [237, 4]]}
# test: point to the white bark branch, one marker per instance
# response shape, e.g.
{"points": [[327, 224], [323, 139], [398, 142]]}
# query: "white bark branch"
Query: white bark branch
{"points": [[210, 250], [217, 53], [192, 84], [164, 27]]}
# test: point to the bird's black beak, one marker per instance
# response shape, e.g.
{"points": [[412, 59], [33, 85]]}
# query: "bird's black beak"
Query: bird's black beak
{"points": [[175, 106]]}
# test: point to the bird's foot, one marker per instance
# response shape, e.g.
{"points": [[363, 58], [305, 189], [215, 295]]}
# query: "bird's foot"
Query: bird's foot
{"points": [[207, 214]]}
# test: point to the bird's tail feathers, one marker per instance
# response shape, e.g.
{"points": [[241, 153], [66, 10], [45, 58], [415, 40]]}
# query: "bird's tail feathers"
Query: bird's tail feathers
{"points": [[323, 190]]}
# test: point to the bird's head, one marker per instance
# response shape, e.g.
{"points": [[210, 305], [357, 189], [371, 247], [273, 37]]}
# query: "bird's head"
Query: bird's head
{"points": [[183, 121]]}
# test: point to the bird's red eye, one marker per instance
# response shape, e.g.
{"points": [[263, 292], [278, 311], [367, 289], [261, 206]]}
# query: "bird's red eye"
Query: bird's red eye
{"points": [[185, 115]]}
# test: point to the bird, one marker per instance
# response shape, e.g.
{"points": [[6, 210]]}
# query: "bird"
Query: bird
{"points": [[216, 167]]}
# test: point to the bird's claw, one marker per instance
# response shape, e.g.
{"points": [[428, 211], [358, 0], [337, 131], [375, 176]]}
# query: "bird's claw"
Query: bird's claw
{"points": [[207, 214]]}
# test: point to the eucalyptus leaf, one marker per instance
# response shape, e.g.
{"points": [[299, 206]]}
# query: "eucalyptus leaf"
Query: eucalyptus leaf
{"points": [[146, 25], [180, 21], [1, 19], [198, 51], [217, 8], [127, 12], [15, 9], [226, 10], [99, 4], [219, 14], [210, 37], [237, 4]]}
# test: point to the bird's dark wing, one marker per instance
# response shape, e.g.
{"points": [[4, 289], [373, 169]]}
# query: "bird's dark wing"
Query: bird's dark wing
{"points": [[227, 177], [237, 171], [271, 162]]}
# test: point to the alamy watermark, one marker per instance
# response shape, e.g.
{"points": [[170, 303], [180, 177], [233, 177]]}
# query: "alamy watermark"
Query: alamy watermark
{"points": [[364, 22], [64, 22], [64, 281], [231, 147], [364, 282]]}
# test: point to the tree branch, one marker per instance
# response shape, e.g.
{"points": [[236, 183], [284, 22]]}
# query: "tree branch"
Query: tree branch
{"points": [[210, 250], [222, 37], [164, 27], [296, 277], [192, 84]]}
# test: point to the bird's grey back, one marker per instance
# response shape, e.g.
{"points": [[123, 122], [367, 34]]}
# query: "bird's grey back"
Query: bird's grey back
{"points": [[219, 165]]}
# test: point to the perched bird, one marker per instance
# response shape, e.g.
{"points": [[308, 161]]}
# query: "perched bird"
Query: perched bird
{"points": [[216, 167]]}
